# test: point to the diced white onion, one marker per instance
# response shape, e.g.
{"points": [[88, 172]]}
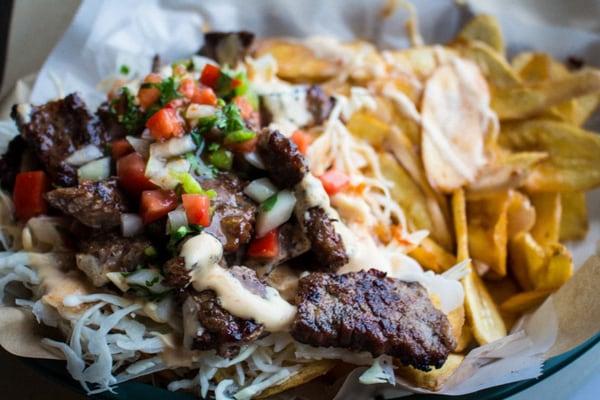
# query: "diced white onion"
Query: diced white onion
{"points": [[173, 147], [176, 219], [254, 159], [195, 111], [146, 134], [142, 277], [260, 189], [276, 216], [95, 170], [141, 146], [118, 279], [131, 225], [84, 155]]}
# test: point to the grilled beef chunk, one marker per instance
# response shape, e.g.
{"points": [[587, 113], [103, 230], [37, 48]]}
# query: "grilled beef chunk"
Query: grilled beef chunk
{"points": [[367, 311], [110, 253], [55, 130], [10, 163], [319, 104], [293, 242], [176, 275], [96, 204], [285, 165], [214, 327], [326, 243], [227, 47], [234, 214]]}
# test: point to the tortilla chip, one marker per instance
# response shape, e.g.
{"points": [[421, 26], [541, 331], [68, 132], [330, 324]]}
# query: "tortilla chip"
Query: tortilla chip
{"points": [[574, 223], [573, 162]]}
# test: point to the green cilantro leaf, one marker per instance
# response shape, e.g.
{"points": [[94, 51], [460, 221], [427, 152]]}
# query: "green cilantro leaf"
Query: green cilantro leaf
{"points": [[269, 203]]}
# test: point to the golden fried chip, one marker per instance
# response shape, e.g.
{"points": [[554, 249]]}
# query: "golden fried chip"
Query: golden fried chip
{"points": [[558, 268], [540, 67], [484, 28], [524, 301], [432, 256], [509, 171], [482, 313], [297, 62], [465, 340], [573, 162], [575, 111], [494, 67], [548, 212], [307, 373], [456, 318], [520, 214], [526, 259], [365, 125], [526, 101], [487, 231], [454, 125], [434, 379], [421, 61], [574, 219]]}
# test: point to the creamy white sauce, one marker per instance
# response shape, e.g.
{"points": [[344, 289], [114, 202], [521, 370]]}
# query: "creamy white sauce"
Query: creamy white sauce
{"points": [[24, 110], [202, 254]]}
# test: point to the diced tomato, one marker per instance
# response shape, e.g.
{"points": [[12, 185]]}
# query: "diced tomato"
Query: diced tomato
{"points": [[164, 124], [205, 95], [187, 88], [302, 140], [235, 83], [130, 170], [266, 246], [210, 75], [155, 204], [120, 148], [149, 96], [246, 109], [334, 181], [28, 194], [197, 208]]}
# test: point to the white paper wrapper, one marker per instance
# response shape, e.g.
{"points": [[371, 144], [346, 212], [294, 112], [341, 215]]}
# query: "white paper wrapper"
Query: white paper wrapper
{"points": [[105, 35]]}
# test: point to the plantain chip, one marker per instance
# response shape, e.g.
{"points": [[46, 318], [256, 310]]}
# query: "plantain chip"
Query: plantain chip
{"points": [[520, 214], [434, 379], [494, 67], [297, 62], [509, 171], [573, 162], [574, 223], [521, 102], [307, 373], [487, 231], [482, 313], [406, 193], [526, 259], [367, 126], [420, 61], [484, 28], [524, 301], [432, 256], [454, 125], [465, 340], [539, 67], [558, 268], [548, 211]]}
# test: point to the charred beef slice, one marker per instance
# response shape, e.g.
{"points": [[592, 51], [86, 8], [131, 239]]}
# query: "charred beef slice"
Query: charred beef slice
{"points": [[326, 243], [217, 328], [55, 130], [285, 164], [319, 104], [176, 275], [227, 47], [367, 311], [10, 163], [95, 204], [234, 213], [110, 253]]}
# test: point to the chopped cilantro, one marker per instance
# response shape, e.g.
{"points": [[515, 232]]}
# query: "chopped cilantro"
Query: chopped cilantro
{"points": [[124, 69], [239, 136], [151, 283], [180, 233], [198, 167], [127, 112], [222, 159], [213, 147], [150, 251], [269, 203], [168, 90]]}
